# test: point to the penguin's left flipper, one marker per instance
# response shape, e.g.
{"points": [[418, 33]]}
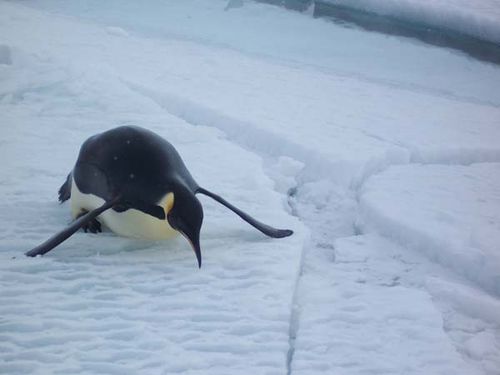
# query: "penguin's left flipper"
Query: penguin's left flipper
{"points": [[264, 228], [93, 226], [65, 190], [70, 230]]}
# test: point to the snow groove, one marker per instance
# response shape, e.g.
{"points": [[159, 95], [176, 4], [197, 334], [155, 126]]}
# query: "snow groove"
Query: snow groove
{"points": [[316, 165], [244, 133], [340, 209], [262, 141], [294, 319]]}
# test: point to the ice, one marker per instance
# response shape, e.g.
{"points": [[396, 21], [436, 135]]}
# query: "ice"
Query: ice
{"points": [[380, 153], [471, 318], [117, 31], [451, 213], [290, 38], [233, 4], [285, 171], [375, 307], [480, 19]]}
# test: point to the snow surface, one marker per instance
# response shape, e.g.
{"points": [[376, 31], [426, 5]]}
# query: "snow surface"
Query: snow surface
{"points": [[478, 18], [385, 165], [450, 212], [295, 40], [377, 313]]}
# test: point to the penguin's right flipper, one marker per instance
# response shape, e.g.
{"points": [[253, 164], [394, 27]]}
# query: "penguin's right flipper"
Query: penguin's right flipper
{"points": [[70, 230], [65, 190]]}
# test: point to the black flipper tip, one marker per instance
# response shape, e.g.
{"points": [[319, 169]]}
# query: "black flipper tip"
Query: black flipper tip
{"points": [[33, 252], [281, 233]]}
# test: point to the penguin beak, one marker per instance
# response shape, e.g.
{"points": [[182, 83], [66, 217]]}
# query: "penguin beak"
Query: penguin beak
{"points": [[195, 244], [189, 233], [186, 217]]}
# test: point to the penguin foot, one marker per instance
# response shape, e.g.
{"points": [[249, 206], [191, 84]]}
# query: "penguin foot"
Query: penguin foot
{"points": [[93, 226]]}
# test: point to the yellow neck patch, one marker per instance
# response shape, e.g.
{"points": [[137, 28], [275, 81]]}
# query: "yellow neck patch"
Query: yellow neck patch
{"points": [[167, 202]]}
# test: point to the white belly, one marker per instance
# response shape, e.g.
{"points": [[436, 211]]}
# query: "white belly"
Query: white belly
{"points": [[130, 223]]}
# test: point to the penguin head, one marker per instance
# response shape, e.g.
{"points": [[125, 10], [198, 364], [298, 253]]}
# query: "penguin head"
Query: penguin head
{"points": [[179, 206], [185, 215]]}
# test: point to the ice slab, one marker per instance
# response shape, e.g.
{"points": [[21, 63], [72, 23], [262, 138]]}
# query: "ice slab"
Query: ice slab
{"points": [[480, 19], [371, 314], [101, 304], [450, 213]]}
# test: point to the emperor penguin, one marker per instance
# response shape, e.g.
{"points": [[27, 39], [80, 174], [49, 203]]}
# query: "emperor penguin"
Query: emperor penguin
{"points": [[135, 183]]}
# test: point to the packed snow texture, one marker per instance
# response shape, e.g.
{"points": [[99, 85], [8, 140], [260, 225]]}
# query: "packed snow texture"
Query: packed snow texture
{"points": [[478, 18], [391, 163], [5, 58], [405, 333], [452, 213]]}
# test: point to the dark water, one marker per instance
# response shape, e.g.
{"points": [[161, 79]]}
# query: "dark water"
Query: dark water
{"points": [[299, 5], [474, 47], [349, 17]]}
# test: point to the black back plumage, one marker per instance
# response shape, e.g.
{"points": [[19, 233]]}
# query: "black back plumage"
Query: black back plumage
{"points": [[132, 162]]}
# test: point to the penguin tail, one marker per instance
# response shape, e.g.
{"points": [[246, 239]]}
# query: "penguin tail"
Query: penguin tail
{"points": [[264, 228], [65, 190]]}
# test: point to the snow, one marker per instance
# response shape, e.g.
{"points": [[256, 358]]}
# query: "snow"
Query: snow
{"points": [[450, 212], [378, 312], [479, 18], [117, 31], [288, 38], [380, 153], [5, 55], [397, 326]]}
